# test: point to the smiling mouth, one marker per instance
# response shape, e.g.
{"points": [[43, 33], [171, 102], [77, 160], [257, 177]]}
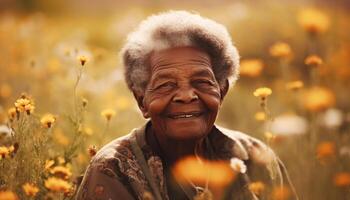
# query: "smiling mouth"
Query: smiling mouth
{"points": [[184, 115]]}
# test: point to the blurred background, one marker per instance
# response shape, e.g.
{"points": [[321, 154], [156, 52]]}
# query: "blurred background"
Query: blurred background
{"points": [[64, 55]]}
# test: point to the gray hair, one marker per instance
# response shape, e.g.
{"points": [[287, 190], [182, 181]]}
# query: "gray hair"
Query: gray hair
{"points": [[175, 29]]}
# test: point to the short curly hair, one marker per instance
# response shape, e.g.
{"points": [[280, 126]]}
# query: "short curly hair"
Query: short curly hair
{"points": [[175, 29]]}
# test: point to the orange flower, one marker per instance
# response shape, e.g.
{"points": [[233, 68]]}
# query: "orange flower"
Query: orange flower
{"points": [[318, 99], [342, 179], [57, 185], [260, 116], [313, 21], [217, 173], [30, 189], [281, 193], [313, 61], [48, 120], [294, 85], [8, 195], [251, 67], [108, 114], [12, 113], [61, 171], [257, 187], [280, 50], [325, 150]]}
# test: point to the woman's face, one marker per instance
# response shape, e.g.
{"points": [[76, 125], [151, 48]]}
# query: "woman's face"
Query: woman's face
{"points": [[182, 97]]}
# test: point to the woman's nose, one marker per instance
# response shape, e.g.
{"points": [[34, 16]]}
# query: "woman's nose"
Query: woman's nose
{"points": [[185, 95]]}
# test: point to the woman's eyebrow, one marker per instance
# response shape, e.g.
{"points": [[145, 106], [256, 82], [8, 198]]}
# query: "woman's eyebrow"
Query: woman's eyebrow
{"points": [[204, 73]]}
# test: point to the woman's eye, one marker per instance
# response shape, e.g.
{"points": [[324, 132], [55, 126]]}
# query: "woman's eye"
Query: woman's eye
{"points": [[204, 82], [166, 85]]}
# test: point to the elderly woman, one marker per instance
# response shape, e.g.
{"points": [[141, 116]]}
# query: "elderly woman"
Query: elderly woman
{"points": [[179, 66]]}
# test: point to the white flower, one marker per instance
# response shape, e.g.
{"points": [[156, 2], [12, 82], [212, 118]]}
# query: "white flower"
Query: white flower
{"points": [[332, 118], [238, 165], [289, 124]]}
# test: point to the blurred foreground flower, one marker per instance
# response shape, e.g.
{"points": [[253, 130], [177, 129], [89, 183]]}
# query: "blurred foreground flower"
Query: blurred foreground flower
{"points": [[108, 114], [342, 179], [280, 50], [48, 164], [238, 165], [8, 195], [30, 189], [48, 120], [313, 21], [217, 173], [257, 187], [318, 99], [281, 193], [5, 151], [251, 67], [57, 185]]}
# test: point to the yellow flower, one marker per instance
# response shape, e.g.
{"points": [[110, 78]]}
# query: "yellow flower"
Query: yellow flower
{"points": [[30, 189], [88, 131], [108, 114], [84, 102], [251, 67], [4, 151], [342, 179], [280, 50], [57, 185], [325, 150], [281, 193], [260, 116], [61, 171], [262, 92], [82, 59], [257, 187], [8, 195], [217, 173], [313, 61], [313, 21], [24, 104], [318, 99], [48, 120], [294, 85], [12, 113], [48, 164]]}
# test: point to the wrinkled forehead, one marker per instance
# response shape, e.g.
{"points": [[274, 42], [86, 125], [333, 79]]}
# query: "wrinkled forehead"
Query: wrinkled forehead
{"points": [[179, 56]]}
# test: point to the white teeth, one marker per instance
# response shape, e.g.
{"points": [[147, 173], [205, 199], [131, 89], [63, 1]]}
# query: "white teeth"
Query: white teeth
{"points": [[182, 116]]}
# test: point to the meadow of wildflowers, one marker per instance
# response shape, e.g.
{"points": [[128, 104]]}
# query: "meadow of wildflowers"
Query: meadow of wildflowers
{"points": [[62, 94]]}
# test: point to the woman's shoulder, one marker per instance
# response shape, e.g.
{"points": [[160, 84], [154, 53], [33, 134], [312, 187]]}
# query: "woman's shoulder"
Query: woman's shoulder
{"points": [[244, 146]]}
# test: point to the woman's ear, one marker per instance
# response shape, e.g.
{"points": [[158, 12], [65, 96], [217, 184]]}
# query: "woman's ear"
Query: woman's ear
{"points": [[140, 98], [224, 89]]}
